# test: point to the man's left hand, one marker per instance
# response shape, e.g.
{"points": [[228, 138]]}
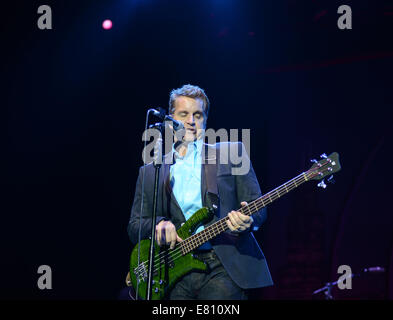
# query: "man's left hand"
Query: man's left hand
{"points": [[239, 222]]}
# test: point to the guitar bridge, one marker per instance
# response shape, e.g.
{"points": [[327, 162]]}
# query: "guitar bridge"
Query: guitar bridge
{"points": [[141, 272]]}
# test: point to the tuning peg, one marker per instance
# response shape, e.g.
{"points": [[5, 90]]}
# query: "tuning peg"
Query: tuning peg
{"points": [[331, 180], [324, 156], [322, 184], [314, 161]]}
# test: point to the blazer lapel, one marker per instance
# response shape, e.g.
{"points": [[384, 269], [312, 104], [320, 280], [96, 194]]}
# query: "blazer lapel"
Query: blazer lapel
{"points": [[170, 201], [209, 169]]}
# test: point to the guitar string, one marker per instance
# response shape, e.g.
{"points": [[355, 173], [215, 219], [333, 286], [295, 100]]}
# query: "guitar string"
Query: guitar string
{"points": [[196, 237], [175, 252]]}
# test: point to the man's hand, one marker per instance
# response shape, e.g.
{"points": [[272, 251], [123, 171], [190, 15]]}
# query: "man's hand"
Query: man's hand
{"points": [[166, 234], [239, 222]]}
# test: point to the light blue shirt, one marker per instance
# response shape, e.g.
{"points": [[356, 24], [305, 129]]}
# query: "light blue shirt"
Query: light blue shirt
{"points": [[186, 181]]}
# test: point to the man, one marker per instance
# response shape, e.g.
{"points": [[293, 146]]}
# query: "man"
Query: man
{"points": [[235, 261]]}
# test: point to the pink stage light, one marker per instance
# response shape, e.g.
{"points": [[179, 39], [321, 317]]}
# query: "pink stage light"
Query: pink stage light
{"points": [[107, 24]]}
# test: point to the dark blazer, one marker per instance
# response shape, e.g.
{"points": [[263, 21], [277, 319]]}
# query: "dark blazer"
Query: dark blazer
{"points": [[240, 254]]}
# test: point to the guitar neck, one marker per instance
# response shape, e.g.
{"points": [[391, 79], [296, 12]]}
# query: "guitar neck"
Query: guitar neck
{"points": [[220, 226]]}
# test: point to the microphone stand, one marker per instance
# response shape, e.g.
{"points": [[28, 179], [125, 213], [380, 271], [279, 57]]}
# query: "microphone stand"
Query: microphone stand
{"points": [[158, 159], [327, 289]]}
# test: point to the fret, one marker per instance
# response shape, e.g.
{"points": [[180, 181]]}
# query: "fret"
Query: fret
{"points": [[207, 234], [261, 200], [255, 205], [197, 242], [182, 248], [186, 245], [215, 229], [190, 244], [258, 206]]}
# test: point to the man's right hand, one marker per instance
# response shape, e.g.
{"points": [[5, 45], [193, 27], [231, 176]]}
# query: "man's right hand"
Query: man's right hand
{"points": [[166, 234]]}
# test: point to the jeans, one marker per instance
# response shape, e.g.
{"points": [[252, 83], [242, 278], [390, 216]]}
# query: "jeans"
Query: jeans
{"points": [[215, 284]]}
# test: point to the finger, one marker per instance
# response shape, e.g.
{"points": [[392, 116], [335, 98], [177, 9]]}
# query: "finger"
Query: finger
{"points": [[178, 239], [236, 217], [158, 235], [233, 220], [168, 235], [243, 203], [173, 239], [230, 225], [171, 236], [244, 218]]}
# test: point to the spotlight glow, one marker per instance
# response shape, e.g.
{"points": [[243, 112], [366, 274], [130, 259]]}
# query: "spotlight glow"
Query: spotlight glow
{"points": [[107, 24]]}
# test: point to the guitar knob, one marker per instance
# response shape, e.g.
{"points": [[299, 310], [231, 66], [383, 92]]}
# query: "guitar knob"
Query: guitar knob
{"points": [[322, 184], [156, 290]]}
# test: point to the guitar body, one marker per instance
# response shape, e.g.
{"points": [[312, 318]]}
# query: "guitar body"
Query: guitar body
{"points": [[169, 265]]}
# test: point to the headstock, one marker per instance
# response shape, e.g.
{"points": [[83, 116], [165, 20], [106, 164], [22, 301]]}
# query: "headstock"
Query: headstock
{"points": [[323, 168]]}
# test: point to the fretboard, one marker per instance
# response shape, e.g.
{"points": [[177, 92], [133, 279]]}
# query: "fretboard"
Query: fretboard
{"points": [[220, 226]]}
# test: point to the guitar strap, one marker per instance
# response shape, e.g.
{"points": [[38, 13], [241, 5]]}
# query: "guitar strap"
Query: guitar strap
{"points": [[212, 196]]}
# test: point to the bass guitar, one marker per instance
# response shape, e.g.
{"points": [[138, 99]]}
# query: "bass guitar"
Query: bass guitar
{"points": [[172, 264]]}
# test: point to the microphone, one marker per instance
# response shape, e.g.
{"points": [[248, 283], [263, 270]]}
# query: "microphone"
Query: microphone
{"points": [[177, 125], [374, 269], [160, 114]]}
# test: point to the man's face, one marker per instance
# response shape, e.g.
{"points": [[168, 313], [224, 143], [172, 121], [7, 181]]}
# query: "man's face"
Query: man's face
{"points": [[190, 112]]}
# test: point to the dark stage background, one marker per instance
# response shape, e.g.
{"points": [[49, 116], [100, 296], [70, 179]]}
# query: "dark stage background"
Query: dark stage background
{"points": [[75, 99]]}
